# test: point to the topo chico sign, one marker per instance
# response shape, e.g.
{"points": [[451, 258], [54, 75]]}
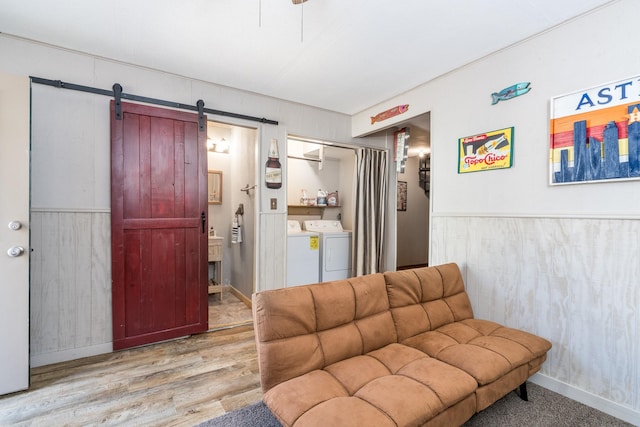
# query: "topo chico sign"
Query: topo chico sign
{"points": [[486, 151]]}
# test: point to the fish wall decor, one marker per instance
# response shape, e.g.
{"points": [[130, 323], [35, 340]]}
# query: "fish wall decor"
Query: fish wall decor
{"points": [[391, 112], [510, 92]]}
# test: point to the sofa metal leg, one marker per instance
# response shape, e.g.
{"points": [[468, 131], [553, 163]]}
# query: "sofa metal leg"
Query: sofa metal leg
{"points": [[523, 392]]}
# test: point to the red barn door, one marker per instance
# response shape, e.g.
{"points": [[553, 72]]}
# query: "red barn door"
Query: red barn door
{"points": [[158, 225]]}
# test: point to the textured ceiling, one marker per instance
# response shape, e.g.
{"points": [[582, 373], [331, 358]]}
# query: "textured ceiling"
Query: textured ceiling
{"points": [[340, 55]]}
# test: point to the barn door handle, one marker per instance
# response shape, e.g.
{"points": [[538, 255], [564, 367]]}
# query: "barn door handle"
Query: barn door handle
{"points": [[203, 217]]}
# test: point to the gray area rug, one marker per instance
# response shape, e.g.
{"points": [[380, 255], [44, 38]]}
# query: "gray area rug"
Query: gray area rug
{"points": [[256, 415], [545, 408]]}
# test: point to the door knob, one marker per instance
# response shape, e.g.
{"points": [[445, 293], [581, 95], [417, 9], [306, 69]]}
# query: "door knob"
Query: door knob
{"points": [[15, 251]]}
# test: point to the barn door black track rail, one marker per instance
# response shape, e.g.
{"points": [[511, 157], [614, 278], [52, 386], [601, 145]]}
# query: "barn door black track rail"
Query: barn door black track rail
{"points": [[117, 94]]}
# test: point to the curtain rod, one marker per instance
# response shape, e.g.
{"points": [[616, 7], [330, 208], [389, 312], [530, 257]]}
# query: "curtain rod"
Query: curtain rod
{"points": [[117, 92]]}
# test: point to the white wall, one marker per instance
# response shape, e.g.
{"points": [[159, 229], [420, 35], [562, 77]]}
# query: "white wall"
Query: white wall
{"points": [[306, 175], [242, 173], [71, 190], [559, 261]]}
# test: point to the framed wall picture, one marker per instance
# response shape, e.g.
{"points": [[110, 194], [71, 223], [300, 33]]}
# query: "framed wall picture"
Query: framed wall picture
{"points": [[402, 195], [486, 151], [424, 172], [214, 182], [594, 134]]}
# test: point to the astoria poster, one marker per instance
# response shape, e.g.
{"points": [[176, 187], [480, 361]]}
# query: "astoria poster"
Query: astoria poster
{"points": [[595, 134]]}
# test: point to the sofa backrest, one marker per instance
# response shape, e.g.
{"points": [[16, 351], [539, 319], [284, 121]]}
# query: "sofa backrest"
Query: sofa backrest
{"points": [[304, 328], [427, 298]]}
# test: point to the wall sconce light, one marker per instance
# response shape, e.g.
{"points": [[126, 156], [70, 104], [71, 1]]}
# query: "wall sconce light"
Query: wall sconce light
{"points": [[218, 147], [222, 146]]}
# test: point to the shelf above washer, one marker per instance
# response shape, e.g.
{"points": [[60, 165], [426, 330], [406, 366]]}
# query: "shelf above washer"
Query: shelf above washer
{"points": [[308, 210]]}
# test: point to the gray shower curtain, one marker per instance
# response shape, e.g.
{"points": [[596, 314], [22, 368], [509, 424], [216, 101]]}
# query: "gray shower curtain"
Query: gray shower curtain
{"points": [[371, 202]]}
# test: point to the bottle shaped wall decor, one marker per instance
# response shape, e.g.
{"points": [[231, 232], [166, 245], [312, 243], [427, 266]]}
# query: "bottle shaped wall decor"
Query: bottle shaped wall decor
{"points": [[273, 171]]}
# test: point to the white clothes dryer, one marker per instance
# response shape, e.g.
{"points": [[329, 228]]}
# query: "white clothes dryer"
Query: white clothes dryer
{"points": [[303, 255], [335, 249]]}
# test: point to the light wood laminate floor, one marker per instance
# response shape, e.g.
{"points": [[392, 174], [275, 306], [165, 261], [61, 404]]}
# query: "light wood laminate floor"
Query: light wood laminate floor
{"points": [[176, 383]]}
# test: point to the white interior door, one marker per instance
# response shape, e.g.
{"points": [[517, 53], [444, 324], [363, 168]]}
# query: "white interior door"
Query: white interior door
{"points": [[14, 233]]}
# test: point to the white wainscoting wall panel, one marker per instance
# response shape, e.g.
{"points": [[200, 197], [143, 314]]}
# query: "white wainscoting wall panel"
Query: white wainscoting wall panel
{"points": [[574, 281], [272, 245], [70, 285]]}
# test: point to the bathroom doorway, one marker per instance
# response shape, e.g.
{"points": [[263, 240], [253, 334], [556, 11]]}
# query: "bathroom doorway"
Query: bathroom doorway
{"points": [[231, 156]]}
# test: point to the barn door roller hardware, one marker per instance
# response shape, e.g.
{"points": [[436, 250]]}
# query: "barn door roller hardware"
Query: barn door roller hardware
{"points": [[118, 95], [200, 105]]}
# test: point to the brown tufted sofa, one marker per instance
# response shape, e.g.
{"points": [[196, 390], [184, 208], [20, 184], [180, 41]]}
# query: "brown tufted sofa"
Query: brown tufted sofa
{"points": [[395, 349]]}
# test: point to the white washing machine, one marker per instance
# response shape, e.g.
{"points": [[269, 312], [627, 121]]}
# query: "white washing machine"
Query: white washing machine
{"points": [[335, 249], [303, 255]]}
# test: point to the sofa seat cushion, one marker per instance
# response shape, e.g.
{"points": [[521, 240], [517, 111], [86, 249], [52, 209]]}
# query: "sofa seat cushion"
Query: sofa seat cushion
{"points": [[485, 350], [344, 412], [394, 385]]}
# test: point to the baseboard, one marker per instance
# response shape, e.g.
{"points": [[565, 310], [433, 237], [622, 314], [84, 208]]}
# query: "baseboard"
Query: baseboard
{"points": [[72, 354], [240, 296], [608, 407]]}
